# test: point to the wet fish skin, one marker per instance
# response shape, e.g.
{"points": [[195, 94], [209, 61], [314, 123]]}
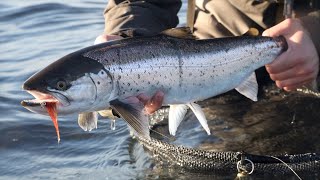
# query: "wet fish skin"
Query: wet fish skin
{"points": [[186, 70]]}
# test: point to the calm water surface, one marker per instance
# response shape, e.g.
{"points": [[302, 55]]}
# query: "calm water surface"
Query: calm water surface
{"points": [[35, 33]]}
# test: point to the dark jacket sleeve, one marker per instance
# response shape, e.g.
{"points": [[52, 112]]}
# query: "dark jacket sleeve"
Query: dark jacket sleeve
{"points": [[312, 24], [140, 18]]}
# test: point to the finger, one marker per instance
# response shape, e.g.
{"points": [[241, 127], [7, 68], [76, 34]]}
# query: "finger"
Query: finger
{"points": [[296, 81], [297, 70], [113, 37], [282, 63], [279, 29], [100, 39], [296, 86], [104, 38]]}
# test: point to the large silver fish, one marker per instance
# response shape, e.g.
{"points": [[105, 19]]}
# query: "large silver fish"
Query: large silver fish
{"points": [[185, 70]]}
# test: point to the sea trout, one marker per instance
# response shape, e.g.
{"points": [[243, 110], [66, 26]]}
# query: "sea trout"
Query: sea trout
{"points": [[115, 73]]}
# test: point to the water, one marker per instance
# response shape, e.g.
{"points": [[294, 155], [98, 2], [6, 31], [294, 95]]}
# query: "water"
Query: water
{"points": [[36, 33]]}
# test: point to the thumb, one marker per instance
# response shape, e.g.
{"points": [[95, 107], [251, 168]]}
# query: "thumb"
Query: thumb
{"points": [[280, 29], [104, 38]]}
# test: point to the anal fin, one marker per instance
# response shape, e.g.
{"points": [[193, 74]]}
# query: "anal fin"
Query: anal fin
{"points": [[197, 110], [249, 87], [176, 115]]}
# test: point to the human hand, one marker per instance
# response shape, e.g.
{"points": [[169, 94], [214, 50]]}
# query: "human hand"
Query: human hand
{"points": [[297, 66], [104, 38]]}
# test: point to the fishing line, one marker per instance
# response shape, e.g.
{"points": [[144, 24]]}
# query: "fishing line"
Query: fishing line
{"points": [[287, 166]]}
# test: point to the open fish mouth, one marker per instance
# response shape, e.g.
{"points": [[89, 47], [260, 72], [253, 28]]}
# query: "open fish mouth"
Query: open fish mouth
{"points": [[41, 99]]}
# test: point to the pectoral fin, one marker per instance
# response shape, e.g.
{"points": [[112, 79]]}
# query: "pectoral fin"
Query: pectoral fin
{"points": [[88, 121], [249, 87], [200, 115], [132, 112], [176, 115]]}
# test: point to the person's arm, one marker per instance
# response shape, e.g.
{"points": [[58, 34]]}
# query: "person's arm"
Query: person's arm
{"points": [[312, 24], [299, 65], [140, 18]]}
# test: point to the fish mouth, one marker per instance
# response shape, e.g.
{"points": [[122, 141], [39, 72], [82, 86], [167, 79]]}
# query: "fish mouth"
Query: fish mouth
{"points": [[41, 99]]}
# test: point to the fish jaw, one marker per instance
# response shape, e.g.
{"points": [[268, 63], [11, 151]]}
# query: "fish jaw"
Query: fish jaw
{"points": [[38, 104]]}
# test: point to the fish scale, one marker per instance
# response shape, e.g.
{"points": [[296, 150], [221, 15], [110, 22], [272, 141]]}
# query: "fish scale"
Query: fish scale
{"points": [[117, 74], [185, 70]]}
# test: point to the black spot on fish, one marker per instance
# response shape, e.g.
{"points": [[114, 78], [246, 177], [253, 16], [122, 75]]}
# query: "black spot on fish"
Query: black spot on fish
{"points": [[128, 84], [138, 76], [98, 82]]}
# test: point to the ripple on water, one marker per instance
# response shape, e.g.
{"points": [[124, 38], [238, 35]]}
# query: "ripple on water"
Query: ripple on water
{"points": [[35, 33]]}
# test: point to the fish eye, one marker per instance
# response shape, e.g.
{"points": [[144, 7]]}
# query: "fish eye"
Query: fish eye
{"points": [[61, 85]]}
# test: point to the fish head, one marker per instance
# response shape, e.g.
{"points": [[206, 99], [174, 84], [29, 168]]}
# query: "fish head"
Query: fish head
{"points": [[75, 83]]}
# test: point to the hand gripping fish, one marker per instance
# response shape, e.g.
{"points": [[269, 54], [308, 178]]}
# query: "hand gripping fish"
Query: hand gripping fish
{"points": [[115, 73]]}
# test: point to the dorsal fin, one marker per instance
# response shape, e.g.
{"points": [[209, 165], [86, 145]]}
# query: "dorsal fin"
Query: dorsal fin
{"points": [[179, 32]]}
